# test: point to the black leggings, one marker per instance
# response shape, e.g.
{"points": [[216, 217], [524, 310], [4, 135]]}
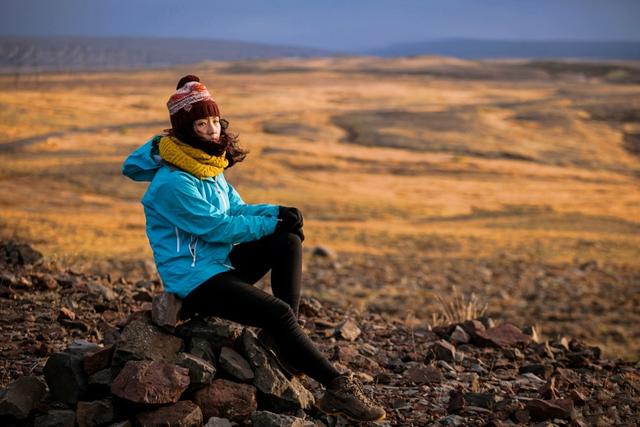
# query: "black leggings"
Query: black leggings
{"points": [[231, 295]]}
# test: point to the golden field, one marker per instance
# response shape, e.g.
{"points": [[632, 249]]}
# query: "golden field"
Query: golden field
{"points": [[516, 180]]}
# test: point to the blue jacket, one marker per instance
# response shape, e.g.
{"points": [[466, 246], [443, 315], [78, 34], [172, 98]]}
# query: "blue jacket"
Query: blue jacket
{"points": [[192, 224]]}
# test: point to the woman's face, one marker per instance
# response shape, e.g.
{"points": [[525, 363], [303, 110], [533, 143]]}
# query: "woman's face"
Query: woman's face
{"points": [[208, 129]]}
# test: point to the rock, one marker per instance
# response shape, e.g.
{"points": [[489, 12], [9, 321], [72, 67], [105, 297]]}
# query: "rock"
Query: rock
{"points": [[66, 313], [181, 414], [56, 418], [218, 422], [96, 413], [200, 371], [472, 327], [421, 374], [150, 382], [459, 336], [165, 310], [19, 398], [541, 410], [218, 333], [201, 348], [100, 382], [226, 399], [480, 400], [65, 376], [456, 401], [344, 353], [310, 307], [100, 290], [444, 350], [16, 253], [504, 335], [140, 341], [270, 419], [98, 360], [45, 281], [279, 394], [143, 295], [347, 330], [548, 390], [234, 364], [323, 251], [539, 369]]}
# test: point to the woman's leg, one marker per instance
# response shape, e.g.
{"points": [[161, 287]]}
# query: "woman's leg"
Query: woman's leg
{"points": [[228, 296], [279, 252]]}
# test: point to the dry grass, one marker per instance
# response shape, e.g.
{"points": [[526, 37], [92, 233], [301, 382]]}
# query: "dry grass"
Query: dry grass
{"points": [[385, 158], [456, 307]]}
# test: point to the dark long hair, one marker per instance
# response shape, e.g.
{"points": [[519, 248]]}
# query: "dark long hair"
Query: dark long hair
{"points": [[228, 144]]}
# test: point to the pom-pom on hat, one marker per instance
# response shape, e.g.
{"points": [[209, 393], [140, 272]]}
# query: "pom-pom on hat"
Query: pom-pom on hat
{"points": [[190, 102]]}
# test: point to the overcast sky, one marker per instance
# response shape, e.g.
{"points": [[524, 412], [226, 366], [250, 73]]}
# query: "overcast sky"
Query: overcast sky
{"points": [[333, 24]]}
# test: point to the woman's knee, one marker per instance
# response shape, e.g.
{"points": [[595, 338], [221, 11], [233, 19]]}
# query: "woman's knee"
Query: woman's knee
{"points": [[281, 313], [286, 240]]}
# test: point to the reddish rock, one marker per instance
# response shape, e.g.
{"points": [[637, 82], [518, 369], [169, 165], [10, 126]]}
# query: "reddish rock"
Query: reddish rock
{"points": [[165, 310], [98, 360], [541, 410], [150, 382], [66, 313], [140, 341], [444, 350], [226, 399], [96, 413], [21, 396], [472, 327], [504, 335], [181, 414], [421, 374], [344, 353]]}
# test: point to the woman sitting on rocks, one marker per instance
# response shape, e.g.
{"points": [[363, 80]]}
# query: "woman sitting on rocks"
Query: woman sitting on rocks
{"points": [[210, 248]]}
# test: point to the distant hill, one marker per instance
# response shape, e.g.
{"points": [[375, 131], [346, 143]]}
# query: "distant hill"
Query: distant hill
{"points": [[487, 49], [26, 54]]}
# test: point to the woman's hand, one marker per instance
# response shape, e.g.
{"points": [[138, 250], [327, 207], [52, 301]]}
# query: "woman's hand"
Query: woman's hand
{"points": [[290, 220]]}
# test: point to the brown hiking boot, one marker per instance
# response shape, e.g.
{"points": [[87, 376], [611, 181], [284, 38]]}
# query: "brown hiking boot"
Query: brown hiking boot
{"points": [[344, 396]]}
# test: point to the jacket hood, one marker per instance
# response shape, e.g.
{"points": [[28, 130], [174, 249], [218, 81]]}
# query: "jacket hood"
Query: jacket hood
{"points": [[143, 163]]}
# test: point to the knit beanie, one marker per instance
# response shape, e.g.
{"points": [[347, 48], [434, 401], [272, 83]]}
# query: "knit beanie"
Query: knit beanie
{"points": [[190, 102]]}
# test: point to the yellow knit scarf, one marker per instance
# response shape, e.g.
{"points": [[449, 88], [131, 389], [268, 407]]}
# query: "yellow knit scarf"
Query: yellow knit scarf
{"points": [[190, 159]]}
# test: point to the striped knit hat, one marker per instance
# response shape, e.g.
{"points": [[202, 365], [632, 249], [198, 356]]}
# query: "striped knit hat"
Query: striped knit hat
{"points": [[190, 102]]}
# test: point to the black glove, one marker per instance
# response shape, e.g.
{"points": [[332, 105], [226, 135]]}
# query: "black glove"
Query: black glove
{"points": [[290, 218], [290, 221]]}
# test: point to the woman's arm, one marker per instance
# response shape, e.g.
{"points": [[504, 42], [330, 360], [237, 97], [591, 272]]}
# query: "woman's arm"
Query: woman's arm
{"points": [[179, 201]]}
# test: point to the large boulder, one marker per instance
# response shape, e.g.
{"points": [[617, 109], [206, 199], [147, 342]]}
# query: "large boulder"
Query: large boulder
{"points": [[234, 364], [200, 371], [226, 399], [65, 376], [150, 382], [278, 393], [181, 414], [20, 397], [142, 341]]}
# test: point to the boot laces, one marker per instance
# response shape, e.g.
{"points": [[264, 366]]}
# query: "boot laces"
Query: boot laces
{"points": [[354, 386]]}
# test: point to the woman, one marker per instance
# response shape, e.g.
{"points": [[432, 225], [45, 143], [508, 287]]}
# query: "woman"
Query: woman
{"points": [[210, 247]]}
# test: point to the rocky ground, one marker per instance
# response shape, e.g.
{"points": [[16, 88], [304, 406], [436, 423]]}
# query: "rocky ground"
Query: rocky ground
{"points": [[84, 348]]}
